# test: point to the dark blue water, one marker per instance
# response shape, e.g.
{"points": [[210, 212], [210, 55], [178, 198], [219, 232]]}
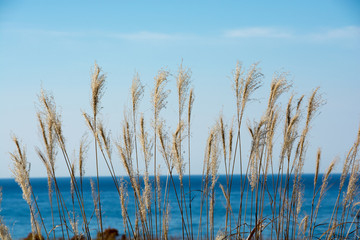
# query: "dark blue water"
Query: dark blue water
{"points": [[15, 211]]}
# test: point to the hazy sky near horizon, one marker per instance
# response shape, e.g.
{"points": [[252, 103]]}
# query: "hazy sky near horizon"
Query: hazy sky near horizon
{"points": [[53, 45]]}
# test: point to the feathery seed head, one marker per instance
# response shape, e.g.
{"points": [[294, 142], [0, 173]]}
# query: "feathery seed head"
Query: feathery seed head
{"points": [[290, 132], [82, 152], [318, 156], [270, 132], [324, 184], [146, 144], [178, 158], [158, 184], [352, 185], [279, 85], [127, 138], [97, 87], [298, 105], [166, 221], [220, 235], [74, 226], [21, 170], [123, 201], [304, 224], [72, 183], [50, 126], [238, 84], [231, 136], [349, 160], [53, 118], [95, 199], [146, 194], [208, 152], [166, 150], [222, 133], [325, 179], [159, 93], [104, 139], [288, 112], [89, 121], [190, 106], [137, 90], [252, 82], [300, 199], [125, 160], [125, 149], [214, 163], [258, 134], [315, 102], [183, 84], [273, 118], [245, 85]]}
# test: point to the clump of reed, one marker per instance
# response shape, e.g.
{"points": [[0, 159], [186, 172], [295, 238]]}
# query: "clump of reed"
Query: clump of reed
{"points": [[266, 179]]}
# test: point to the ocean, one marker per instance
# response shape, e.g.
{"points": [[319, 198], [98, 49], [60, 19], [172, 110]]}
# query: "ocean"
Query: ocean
{"points": [[15, 211]]}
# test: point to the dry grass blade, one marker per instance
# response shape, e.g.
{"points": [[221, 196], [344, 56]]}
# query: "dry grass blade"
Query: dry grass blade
{"points": [[257, 228], [226, 197]]}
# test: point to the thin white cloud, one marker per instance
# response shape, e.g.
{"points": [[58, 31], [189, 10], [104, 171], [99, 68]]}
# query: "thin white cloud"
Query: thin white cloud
{"points": [[257, 32], [49, 33], [344, 33], [348, 32], [64, 34], [133, 36], [144, 35]]}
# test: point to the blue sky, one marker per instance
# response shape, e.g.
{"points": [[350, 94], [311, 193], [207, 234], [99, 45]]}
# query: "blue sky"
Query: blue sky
{"points": [[54, 45]]}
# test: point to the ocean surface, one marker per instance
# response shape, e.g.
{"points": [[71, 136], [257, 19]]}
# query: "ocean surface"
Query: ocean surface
{"points": [[15, 211]]}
